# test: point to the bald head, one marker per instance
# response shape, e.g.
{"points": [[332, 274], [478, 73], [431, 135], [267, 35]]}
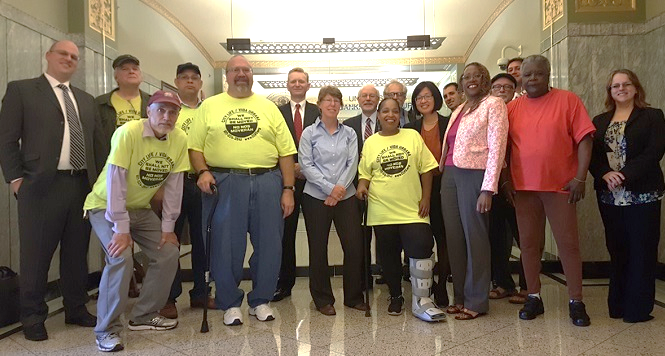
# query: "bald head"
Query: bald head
{"points": [[62, 60], [239, 76]]}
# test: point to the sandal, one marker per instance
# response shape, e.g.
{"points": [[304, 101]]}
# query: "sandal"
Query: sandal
{"points": [[454, 309], [466, 315], [518, 298], [500, 293]]}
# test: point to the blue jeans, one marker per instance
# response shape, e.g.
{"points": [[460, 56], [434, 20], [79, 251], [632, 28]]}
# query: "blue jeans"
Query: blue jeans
{"points": [[246, 204]]}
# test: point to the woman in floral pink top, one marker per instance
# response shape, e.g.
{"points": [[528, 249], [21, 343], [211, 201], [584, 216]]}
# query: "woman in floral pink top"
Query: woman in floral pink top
{"points": [[474, 149]]}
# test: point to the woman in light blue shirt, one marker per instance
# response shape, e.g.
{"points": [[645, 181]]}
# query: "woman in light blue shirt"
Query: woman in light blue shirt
{"points": [[328, 159]]}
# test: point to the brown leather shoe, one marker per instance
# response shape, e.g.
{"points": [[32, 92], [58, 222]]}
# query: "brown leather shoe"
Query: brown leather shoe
{"points": [[169, 310], [327, 310], [360, 306], [198, 303]]}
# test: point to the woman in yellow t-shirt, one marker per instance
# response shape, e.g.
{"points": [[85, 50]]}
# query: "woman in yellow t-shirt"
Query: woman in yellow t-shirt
{"points": [[392, 166]]}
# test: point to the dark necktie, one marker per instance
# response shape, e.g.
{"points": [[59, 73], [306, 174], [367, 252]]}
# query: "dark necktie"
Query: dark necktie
{"points": [[368, 129], [297, 123], [76, 144]]}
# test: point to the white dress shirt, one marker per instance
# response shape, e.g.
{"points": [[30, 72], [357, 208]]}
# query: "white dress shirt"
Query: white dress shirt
{"points": [[64, 163]]}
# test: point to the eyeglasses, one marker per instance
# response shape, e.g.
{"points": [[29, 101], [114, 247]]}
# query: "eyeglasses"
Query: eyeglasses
{"points": [[424, 97], [371, 96], [238, 70], [331, 101], [394, 95], [64, 53], [187, 77], [469, 77], [621, 85], [505, 87]]}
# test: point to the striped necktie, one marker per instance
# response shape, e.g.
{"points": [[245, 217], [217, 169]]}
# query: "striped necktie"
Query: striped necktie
{"points": [[368, 129], [76, 144]]}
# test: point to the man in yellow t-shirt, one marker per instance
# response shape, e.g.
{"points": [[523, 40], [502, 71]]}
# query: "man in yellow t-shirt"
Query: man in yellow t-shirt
{"points": [[189, 83], [145, 155], [241, 143]]}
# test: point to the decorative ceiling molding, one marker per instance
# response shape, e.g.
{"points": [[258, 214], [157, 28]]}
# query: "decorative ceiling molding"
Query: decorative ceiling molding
{"points": [[321, 63], [168, 15], [490, 20]]}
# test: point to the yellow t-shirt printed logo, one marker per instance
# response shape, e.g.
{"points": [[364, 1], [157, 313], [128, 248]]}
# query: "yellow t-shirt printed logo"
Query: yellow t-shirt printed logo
{"points": [[126, 110], [394, 160], [153, 169], [241, 124], [186, 124]]}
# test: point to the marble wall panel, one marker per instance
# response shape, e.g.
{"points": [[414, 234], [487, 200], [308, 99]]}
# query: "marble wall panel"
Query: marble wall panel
{"points": [[24, 52], [5, 231]]}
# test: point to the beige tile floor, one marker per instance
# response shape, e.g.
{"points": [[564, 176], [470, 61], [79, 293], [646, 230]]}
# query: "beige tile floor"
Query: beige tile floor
{"points": [[300, 330]]}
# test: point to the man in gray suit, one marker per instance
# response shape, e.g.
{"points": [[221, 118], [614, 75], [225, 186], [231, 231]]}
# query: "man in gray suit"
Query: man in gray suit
{"points": [[51, 149], [298, 114]]}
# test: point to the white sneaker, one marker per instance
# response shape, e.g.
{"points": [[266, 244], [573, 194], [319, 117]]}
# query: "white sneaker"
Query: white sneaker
{"points": [[262, 312], [157, 323], [425, 309], [233, 316], [110, 342]]}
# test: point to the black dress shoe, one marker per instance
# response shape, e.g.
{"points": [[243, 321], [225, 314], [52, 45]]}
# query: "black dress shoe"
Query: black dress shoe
{"points": [[36, 332], [85, 319], [578, 313], [380, 280], [280, 294], [532, 308]]}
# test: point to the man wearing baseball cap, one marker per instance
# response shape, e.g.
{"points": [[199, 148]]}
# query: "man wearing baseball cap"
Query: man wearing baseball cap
{"points": [[189, 83], [146, 154], [126, 102]]}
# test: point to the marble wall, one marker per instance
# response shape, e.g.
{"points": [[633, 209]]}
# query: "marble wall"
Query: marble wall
{"points": [[593, 51]]}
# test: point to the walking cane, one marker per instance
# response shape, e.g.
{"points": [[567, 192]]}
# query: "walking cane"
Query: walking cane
{"points": [[366, 256], [215, 193]]}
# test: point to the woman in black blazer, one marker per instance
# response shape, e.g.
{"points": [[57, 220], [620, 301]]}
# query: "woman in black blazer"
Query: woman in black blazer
{"points": [[426, 99], [627, 148]]}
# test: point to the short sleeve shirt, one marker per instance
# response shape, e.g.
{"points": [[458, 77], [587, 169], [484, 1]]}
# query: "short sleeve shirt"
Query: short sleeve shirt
{"points": [[148, 162], [393, 165], [241, 133], [544, 135]]}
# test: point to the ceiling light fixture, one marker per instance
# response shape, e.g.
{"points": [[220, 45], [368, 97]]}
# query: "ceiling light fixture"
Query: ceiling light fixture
{"points": [[329, 45]]}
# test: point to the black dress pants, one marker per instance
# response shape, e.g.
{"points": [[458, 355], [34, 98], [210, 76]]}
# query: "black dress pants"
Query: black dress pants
{"points": [[318, 218], [287, 272], [502, 219], [48, 217], [632, 234]]}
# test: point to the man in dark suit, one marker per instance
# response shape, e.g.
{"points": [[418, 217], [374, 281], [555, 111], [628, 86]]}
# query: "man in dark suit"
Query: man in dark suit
{"points": [[298, 114], [51, 149], [365, 125]]}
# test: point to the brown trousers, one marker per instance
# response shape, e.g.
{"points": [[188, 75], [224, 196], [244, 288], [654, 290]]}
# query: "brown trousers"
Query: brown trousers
{"points": [[532, 208]]}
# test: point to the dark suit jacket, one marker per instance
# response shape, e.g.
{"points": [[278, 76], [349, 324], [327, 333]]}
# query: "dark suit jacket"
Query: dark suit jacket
{"points": [[311, 114], [32, 114], [418, 126], [355, 123], [645, 146]]}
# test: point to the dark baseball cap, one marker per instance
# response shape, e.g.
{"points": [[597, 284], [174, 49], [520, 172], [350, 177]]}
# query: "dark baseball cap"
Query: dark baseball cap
{"points": [[162, 96], [124, 58], [188, 66]]}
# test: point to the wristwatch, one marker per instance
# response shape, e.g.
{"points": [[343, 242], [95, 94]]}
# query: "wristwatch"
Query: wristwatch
{"points": [[289, 187]]}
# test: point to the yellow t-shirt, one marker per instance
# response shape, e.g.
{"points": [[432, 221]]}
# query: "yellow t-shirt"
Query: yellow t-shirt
{"points": [[393, 165], [240, 133], [186, 117], [125, 110], [148, 162]]}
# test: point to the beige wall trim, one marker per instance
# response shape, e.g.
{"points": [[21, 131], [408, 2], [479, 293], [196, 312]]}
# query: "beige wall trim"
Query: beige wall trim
{"points": [[164, 12], [499, 9], [605, 6], [351, 63]]}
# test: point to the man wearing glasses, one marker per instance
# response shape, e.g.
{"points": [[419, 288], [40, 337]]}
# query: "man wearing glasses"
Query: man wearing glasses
{"points": [[146, 155], [397, 90], [241, 144], [126, 102], [189, 83], [52, 146]]}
